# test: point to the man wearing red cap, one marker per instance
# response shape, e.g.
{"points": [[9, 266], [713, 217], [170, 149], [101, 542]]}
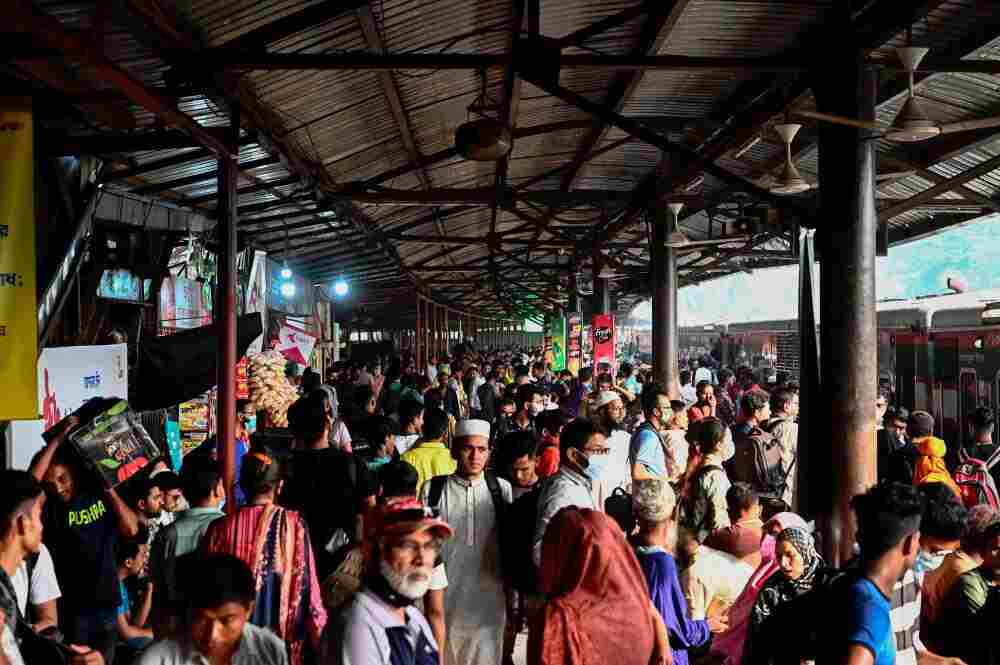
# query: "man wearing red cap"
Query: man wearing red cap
{"points": [[381, 626]]}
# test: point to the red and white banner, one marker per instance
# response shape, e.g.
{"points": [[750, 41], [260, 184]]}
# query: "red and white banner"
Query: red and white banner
{"points": [[295, 345], [603, 336]]}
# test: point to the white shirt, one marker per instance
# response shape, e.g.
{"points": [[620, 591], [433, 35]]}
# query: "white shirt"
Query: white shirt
{"points": [[689, 394], [357, 635], [405, 441], [8, 645], [474, 603], [714, 576], [43, 587], [258, 646], [703, 374]]}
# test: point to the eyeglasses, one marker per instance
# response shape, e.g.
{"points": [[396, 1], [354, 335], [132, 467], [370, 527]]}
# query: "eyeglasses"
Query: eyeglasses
{"points": [[597, 451]]}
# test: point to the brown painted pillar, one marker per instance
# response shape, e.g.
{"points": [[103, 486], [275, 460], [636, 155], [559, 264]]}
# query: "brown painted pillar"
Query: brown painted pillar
{"points": [[226, 323], [602, 295], [417, 346], [574, 294], [663, 269], [848, 334]]}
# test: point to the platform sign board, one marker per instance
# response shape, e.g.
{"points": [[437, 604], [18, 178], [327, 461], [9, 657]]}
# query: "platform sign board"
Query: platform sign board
{"points": [[557, 343], [603, 336], [574, 342], [18, 302]]}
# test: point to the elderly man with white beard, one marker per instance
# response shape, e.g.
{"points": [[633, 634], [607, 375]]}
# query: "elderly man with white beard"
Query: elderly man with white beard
{"points": [[380, 626]]}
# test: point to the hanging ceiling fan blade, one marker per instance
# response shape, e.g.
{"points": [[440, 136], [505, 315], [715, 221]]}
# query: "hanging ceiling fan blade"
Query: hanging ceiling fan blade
{"points": [[694, 244], [839, 120], [969, 125]]}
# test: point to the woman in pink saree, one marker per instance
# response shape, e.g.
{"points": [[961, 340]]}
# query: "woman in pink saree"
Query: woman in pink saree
{"points": [[728, 646]]}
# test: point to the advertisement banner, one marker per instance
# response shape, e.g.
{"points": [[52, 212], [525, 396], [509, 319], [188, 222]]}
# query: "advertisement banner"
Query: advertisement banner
{"points": [[68, 376], [574, 342], [557, 332], [18, 324], [183, 305], [603, 336], [257, 295], [295, 345]]}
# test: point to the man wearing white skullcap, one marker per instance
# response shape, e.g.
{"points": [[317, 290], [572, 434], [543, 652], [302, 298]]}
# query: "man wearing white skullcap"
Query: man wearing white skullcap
{"points": [[470, 500], [609, 412]]}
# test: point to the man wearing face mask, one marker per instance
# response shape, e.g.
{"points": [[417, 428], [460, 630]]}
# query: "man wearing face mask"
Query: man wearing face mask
{"points": [[529, 402], [584, 451], [381, 626]]}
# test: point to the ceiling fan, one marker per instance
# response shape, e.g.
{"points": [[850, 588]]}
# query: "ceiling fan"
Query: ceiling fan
{"points": [[912, 123], [680, 241]]}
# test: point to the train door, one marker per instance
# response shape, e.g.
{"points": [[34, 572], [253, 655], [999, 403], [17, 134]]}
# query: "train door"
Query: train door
{"points": [[947, 407], [912, 368]]}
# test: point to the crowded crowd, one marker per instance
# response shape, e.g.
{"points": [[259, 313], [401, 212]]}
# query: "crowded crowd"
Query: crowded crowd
{"points": [[448, 514]]}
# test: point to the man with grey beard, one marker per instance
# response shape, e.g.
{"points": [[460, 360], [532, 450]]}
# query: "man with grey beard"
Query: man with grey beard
{"points": [[380, 626]]}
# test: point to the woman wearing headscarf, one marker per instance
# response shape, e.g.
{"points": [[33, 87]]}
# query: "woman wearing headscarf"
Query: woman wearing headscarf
{"points": [[274, 542], [598, 610], [730, 644], [800, 570]]}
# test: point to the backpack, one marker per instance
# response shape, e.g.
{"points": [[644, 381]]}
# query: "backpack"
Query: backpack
{"points": [[758, 462], [976, 485], [517, 544], [618, 507]]}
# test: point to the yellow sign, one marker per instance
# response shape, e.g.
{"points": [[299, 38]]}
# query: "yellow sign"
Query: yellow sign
{"points": [[18, 306]]}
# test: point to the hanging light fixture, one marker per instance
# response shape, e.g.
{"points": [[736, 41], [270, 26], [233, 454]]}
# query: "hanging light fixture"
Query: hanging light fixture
{"points": [[676, 237], [485, 139], [790, 181], [286, 272], [912, 123]]}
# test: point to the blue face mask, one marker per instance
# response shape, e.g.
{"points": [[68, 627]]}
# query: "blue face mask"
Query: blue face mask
{"points": [[928, 561], [251, 424], [595, 466]]}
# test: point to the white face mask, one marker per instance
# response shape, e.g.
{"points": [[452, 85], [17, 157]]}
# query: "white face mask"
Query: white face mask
{"points": [[928, 561], [412, 585]]}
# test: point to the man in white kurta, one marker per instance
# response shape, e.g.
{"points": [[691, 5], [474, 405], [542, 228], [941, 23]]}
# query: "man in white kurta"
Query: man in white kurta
{"points": [[610, 412], [475, 601]]}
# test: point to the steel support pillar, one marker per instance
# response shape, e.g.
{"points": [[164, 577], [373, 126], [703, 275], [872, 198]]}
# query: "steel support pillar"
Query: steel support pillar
{"points": [[848, 331], [663, 268], [602, 294], [417, 347], [226, 323]]}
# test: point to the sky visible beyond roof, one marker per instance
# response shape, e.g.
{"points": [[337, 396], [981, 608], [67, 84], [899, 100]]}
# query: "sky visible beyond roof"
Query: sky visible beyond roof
{"points": [[914, 269]]}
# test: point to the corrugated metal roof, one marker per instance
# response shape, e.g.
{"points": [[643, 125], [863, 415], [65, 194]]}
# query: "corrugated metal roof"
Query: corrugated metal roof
{"points": [[342, 125]]}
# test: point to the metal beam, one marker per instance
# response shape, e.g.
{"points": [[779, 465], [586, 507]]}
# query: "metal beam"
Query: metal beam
{"points": [[51, 32], [965, 191], [486, 196], [291, 202], [948, 185], [665, 144], [225, 58]]}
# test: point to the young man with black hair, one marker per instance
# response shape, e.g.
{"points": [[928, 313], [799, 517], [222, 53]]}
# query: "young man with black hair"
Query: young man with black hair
{"points": [[550, 426], [219, 592], [981, 445], [858, 629], [21, 505], [202, 484], [149, 507], [896, 455], [381, 435], [649, 449], [411, 420], [84, 522], [131, 622], [488, 395], [584, 452], [472, 501], [431, 457], [529, 403], [520, 462], [783, 427], [329, 487]]}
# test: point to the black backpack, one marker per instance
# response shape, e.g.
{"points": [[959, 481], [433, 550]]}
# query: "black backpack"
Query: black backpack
{"points": [[757, 462], [518, 542]]}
